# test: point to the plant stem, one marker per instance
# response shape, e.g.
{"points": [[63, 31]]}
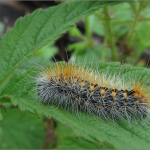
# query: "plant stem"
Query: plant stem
{"points": [[87, 29], [109, 35], [131, 32], [104, 48]]}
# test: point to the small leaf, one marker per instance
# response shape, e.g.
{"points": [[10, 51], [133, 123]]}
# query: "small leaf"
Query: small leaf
{"points": [[76, 32], [78, 47]]}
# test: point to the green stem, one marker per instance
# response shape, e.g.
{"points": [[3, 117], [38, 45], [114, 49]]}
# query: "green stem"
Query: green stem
{"points": [[109, 34], [87, 29], [104, 48], [131, 32]]}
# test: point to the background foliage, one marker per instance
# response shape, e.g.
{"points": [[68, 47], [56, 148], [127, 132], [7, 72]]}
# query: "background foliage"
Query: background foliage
{"points": [[111, 31]]}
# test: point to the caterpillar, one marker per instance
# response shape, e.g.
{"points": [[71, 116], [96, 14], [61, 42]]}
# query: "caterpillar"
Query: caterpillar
{"points": [[102, 95]]}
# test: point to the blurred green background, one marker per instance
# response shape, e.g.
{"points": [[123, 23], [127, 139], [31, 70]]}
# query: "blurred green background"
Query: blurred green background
{"points": [[115, 33]]}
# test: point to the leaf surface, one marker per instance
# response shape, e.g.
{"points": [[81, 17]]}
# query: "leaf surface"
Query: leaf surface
{"points": [[120, 135], [66, 139], [21, 130]]}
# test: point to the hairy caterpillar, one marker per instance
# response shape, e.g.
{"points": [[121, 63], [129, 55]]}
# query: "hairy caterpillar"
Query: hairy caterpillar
{"points": [[106, 96], [99, 94]]}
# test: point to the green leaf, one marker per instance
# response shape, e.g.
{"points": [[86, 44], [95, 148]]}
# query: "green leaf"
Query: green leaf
{"points": [[21, 130], [38, 29], [76, 32], [41, 57], [66, 139], [120, 135], [77, 47]]}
